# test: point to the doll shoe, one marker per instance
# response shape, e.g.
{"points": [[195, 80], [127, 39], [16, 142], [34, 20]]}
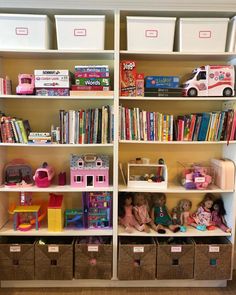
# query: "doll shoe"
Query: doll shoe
{"points": [[175, 230], [201, 227], [211, 227], [161, 231], [183, 229]]}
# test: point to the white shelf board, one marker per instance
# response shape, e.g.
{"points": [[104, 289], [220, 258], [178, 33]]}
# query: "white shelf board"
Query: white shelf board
{"points": [[183, 98], [113, 283], [42, 97], [177, 56], [8, 230], [175, 142], [49, 145], [57, 54], [55, 188], [173, 188], [191, 232]]}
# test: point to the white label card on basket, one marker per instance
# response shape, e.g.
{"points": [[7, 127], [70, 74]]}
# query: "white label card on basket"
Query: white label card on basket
{"points": [[176, 249], [151, 33], [93, 248], [22, 31], [138, 249], [80, 32], [15, 248], [53, 249], [214, 249]]}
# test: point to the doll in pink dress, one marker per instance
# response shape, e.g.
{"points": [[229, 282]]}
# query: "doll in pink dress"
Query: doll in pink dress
{"points": [[218, 214], [126, 217], [202, 218], [141, 213]]}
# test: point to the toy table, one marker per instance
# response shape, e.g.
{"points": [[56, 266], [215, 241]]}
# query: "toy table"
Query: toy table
{"points": [[26, 209]]}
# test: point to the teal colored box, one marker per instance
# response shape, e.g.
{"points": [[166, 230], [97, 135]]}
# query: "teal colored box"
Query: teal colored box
{"points": [[162, 82]]}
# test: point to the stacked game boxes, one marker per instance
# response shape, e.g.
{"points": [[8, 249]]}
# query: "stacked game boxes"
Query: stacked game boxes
{"points": [[92, 78], [52, 82], [162, 86]]}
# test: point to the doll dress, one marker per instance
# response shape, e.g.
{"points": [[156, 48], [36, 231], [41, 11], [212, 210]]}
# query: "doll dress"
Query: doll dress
{"points": [[129, 219], [143, 213], [217, 220], [161, 216], [202, 217]]}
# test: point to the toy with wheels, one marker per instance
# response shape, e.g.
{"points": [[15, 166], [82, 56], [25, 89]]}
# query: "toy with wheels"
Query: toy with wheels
{"points": [[43, 176]]}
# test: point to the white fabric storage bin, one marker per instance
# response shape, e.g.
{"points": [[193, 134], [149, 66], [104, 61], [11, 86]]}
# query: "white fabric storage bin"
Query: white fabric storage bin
{"points": [[25, 31], [150, 33], [83, 32], [231, 38], [202, 34]]}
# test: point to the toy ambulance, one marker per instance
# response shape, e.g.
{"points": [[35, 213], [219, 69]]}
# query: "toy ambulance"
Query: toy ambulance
{"points": [[210, 81]]}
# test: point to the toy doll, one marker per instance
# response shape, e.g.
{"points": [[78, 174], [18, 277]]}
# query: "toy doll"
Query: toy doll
{"points": [[218, 213], [141, 213], [202, 219], [183, 208], [160, 215], [126, 217]]}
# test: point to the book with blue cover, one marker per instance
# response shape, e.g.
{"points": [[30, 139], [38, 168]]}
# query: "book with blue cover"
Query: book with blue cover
{"points": [[204, 126]]}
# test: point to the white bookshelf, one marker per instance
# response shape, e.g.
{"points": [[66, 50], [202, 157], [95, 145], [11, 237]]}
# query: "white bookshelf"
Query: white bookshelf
{"points": [[26, 60]]}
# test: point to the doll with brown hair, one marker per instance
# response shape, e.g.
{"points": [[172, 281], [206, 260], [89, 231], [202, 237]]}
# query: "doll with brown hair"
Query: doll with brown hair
{"points": [[161, 216], [218, 214], [202, 218], [141, 212], [125, 214]]}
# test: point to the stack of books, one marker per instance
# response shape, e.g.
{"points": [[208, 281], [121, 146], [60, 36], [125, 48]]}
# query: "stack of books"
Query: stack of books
{"points": [[5, 86]]}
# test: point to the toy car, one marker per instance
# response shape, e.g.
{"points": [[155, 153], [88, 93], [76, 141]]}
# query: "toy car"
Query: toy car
{"points": [[26, 84]]}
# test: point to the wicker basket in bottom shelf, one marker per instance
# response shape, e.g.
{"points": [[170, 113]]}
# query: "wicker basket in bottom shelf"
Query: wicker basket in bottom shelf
{"points": [[137, 259], [175, 260], [213, 258], [16, 258], [54, 259], [93, 260]]}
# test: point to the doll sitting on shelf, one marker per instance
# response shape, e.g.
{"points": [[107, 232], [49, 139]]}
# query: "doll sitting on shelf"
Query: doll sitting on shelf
{"points": [[183, 213], [202, 218], [161, 216], [126, 217], [218, 214], [141, 213]]}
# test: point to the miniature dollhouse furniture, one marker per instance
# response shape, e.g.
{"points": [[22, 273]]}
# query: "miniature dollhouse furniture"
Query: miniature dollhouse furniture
{"points": [[89, 170], [34, 209], [55, 213]]}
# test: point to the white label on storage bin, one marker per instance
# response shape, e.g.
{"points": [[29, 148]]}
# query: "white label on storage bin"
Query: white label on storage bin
{"points": [[15, 248], [214, 249], [80, 32], [138, 249], [53, 249], [176, 249], [93, 248], [151, 33], [204, 34], [199, 179], [22, 31]]}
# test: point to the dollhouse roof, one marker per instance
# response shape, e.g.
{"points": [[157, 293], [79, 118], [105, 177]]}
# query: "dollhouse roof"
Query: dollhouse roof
{"points": [[89, 165]]}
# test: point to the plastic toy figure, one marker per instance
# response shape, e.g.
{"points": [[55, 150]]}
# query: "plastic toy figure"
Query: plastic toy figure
{"points": [[26, 84], [44, 175], [141, 213], [202, 219], [161, 216], [218, 214], [183, 213], [126, 217]]}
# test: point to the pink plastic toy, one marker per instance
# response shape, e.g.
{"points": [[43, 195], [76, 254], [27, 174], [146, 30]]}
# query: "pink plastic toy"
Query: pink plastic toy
{"points": [[44, 175], [26, 84]]}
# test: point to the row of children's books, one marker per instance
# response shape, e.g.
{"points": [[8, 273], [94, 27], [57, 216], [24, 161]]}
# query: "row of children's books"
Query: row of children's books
{"points": [[137, 124], [14, 130], [87, 126]]}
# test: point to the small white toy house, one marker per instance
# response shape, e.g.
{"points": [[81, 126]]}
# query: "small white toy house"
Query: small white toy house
{"points": [[89, 170]]}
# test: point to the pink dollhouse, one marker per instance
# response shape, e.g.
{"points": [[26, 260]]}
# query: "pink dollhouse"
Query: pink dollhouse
{"points": [[89, 170]]}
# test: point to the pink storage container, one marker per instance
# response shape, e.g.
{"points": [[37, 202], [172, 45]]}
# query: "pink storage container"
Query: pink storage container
{"points": [[224, 172]]}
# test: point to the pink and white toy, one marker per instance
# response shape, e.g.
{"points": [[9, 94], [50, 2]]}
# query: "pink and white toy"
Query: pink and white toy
{"points": [[43, 176], [26, 84]]}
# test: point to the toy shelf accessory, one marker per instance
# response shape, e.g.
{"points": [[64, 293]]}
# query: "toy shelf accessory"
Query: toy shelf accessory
{"points": [[62, 178], [55, 213], [97, 208], [43, 176], [74, 217], [26, 84], [217, 80], [34, 209], [89, 170], [224, 173], [18, 173], [147, 175]]}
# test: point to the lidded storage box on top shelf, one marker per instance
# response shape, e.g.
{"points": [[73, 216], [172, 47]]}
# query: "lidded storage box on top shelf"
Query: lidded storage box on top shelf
{"points": [[25, 31], [201, 34], [83, 32], [150, 33], [231, 41]]}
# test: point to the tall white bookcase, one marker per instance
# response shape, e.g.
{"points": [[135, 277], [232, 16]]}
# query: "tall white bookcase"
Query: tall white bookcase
{"points": [[43, 111]]}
